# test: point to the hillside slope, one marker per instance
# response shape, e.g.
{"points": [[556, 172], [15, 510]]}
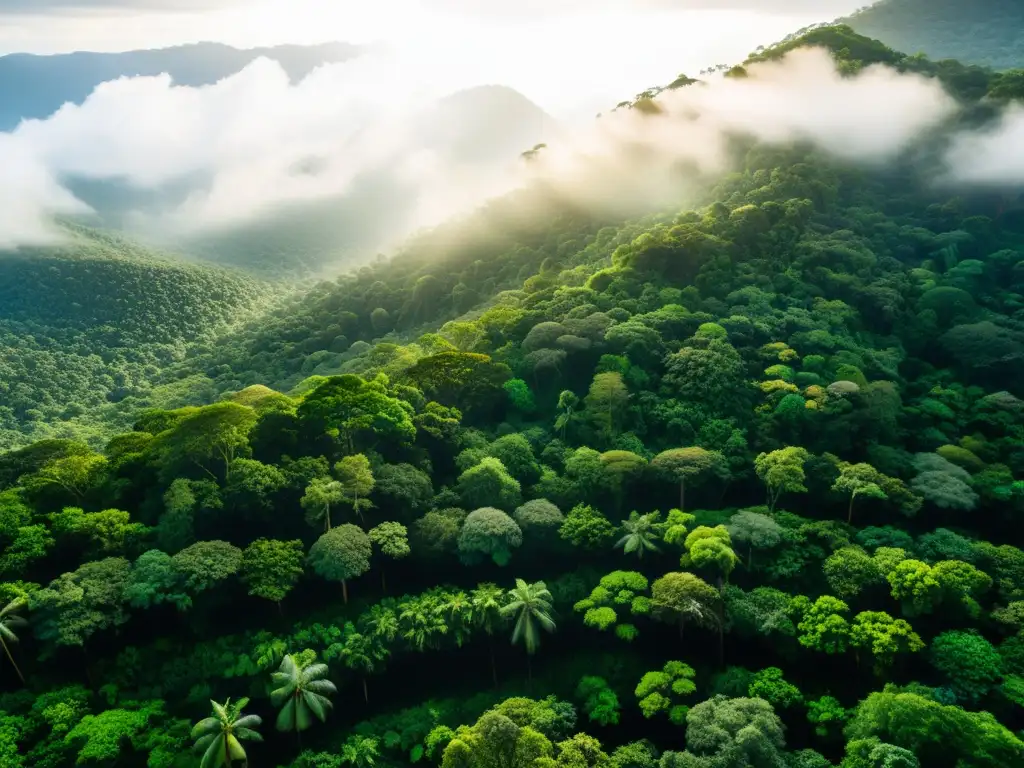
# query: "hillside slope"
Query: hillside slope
{"points": [[986, 32], [525, 245], [33, 86], [88, 323]]}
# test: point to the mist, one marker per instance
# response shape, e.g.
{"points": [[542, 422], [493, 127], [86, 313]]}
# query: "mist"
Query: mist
{"points": [[632, 156], [256, 142], [992, 157]]}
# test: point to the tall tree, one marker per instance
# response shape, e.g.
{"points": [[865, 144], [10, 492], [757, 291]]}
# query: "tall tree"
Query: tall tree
{"points": [[606, 403], [357, 411], [530, 606], [689, 464], [10, 620], [682, 597], [220, 737], [321, 494], [356, 478], [567, 404], [272, 568], [487, 601], [217, 432], [341, 554], [782, 471], [639, 534], [392, 539], [302, 693], [362, 653], [858, 480]]}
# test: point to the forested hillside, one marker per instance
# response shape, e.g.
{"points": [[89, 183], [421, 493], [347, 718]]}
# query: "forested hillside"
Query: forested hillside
{"points": [[986, 32], [736, 485], [91, 322]]}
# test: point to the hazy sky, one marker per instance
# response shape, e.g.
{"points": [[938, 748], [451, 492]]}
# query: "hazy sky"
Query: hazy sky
{"points": [[571, 56]]}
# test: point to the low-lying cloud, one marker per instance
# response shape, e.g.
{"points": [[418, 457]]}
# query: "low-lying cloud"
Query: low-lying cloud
{"points": [[994, 156], [258, 141]]}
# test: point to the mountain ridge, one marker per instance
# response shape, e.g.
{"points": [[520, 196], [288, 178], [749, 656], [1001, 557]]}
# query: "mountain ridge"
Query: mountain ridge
{"points": [[985, 32]]}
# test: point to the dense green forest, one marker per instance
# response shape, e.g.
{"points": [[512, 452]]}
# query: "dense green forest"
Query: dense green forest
{"points": [[86, 326], [987, 32], [736, 485]]}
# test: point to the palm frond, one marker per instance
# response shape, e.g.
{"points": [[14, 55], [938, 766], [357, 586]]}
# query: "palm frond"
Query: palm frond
{"points": [[214, 755], [248, 721], [203, 741], [221, 711], [320, 686], [302, 721], [205, 727], [316, 704], [314, 672], [545, 620], [286, 718], [235, 749]]}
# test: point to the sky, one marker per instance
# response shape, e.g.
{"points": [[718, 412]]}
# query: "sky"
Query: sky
{"points": [[573, 57]]}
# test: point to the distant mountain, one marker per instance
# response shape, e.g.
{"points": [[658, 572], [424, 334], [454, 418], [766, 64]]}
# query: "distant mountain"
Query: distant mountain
{"points": [[479, 132], [987, 32], [36, 86]]}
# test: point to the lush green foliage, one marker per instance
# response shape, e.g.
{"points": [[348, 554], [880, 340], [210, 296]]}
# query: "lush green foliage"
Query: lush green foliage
{"points": [[743, 481], [87, 327]]}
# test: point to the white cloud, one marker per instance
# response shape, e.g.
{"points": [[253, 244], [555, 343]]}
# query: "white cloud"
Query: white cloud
{"points": [[249, 132], [29, 198], [995, 156]]}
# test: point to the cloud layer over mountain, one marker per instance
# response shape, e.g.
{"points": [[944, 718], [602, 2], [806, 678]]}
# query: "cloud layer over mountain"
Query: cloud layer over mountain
{"points": [[256, 141]]}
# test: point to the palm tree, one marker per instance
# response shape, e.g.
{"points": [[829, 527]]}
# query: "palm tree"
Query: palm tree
{"points": [[459, 608], [10, 619], [360, 751], [487, 602], [531, 606], [220, 737], [361, 653], [380, 622], [302, 692], [422, 621], [640, 534]]}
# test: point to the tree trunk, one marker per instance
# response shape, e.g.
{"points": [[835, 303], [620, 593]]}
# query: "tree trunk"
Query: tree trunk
{"points": [[725, 490], [227, 753], [494, 667], [849, 511], [529, 671], [682, 495], [13, 664], [721, 624], [344, 591], [366, 691], [88, 669], [750, 558]]}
